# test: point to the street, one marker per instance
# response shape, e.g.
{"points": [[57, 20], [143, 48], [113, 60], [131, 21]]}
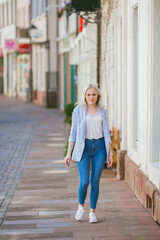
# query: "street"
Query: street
{"points": [[39, 193]]}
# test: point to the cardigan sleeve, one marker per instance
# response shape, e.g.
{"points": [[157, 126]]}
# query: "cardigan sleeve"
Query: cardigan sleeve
{"points": [[72, 137], [107, 132]]}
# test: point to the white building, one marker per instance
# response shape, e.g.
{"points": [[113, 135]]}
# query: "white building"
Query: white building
{"points": [[23, 54], [83, 53], [44, 53], [9, 45], [67, 71], [130, 81]]}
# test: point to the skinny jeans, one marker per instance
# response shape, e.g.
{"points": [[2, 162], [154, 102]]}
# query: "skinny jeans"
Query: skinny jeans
{"points": [[94, 149]]}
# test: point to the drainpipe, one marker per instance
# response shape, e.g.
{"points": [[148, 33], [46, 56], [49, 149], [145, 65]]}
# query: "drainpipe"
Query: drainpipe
{"points": [[18, 45], [48, 48], [57, 68], [98, 48], [30, 85]]}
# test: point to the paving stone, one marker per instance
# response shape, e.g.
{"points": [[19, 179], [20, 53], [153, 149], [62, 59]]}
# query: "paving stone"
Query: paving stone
{"points": [[12, 218], [58, 139], [46, 160], [57, 212], [55, 225], [42, 166], [145, 232], [55, 134], [20, 226], [26, 231], [21, 213], [114, 238], [29, 221], [55, 144], [145, 237], [63, 220], [72, 201], [2, 213]]}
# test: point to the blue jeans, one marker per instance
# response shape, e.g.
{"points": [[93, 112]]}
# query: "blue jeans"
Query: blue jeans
{"points": [[96, 150]]}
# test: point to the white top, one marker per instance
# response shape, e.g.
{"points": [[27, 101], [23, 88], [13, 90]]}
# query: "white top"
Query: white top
{"points": [[94, 126]]}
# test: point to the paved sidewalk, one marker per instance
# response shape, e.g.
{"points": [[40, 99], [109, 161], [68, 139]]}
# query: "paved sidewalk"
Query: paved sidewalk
{"points": [[45, 200]]}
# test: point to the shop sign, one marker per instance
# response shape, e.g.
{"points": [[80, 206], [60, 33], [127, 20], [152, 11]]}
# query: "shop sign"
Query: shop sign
{"points": [[11, 44], [24, 48], [86, 5], [1, 53], [81, 24], [66, 44]]}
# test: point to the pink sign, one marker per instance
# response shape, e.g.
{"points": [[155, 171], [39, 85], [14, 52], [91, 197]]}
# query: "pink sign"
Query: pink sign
{"points": [[1, 53], [11, 44]]}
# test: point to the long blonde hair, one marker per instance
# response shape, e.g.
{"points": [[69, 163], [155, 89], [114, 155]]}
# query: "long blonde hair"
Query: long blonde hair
{"points": [[82, 103]]}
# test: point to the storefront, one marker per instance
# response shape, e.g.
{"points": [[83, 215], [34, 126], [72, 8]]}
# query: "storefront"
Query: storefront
{"points": [[23, 67], [68, 73], [11, 74]]}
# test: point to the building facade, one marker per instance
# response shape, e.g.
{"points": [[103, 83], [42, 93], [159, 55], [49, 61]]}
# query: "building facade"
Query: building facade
{"points": [[1, 70], [83, 53], [23, 52], [130, 81], [8, 46], [67, 71], [44, 53]]}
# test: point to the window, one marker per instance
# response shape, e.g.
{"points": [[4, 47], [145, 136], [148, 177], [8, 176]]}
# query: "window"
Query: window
{"points": [[7, 13], [3, 15], [20, 17], [27, 17], [23, 17], [134, 79], [12, 12], [0, 15], [34, 8], [44, 5], [41, 6]]}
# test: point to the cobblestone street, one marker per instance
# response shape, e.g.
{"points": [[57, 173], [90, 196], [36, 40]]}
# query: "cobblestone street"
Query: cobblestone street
{"points": [[16, 131], [39, 194]]}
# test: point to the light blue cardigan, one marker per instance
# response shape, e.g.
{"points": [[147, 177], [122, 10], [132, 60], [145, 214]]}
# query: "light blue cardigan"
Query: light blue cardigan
{"points": [[78, 131]]}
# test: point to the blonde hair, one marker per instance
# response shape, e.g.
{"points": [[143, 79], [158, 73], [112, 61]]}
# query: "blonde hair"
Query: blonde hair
{"points": [[82, 103]]}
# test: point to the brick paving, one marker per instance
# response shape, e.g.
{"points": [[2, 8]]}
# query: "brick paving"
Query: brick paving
{"points": [[43, 204]]}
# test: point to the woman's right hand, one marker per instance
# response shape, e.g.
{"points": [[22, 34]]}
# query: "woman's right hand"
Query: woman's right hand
{"points": [[67, 159]]}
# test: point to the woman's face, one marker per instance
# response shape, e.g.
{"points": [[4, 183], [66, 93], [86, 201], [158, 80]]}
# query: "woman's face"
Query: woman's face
{"points": [[91, 96]]}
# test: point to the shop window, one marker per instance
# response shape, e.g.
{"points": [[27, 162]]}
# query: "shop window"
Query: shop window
{"points": [[11, 12], [0, 15], [34, 8], [41, 8], [3, 15]]}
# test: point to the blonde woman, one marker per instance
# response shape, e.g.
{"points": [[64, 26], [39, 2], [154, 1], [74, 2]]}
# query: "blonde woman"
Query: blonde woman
{"points": [[90, 138]]}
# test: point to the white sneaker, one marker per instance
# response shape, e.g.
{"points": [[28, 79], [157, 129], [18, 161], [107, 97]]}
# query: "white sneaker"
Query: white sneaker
{"points": [[92, 217], [80, 213]]}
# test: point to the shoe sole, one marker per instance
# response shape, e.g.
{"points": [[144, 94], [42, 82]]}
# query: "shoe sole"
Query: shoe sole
{"points": [[79, 219], [93, 222]]}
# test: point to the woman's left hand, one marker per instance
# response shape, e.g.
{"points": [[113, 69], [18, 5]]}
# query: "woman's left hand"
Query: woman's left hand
{"points": [[110, 161]]}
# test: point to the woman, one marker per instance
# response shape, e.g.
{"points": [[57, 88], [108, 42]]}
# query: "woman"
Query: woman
{"points": [[90, 138]]}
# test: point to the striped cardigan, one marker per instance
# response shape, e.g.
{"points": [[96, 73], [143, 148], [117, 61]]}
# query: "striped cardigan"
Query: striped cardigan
{"points": [[78, 130]]}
